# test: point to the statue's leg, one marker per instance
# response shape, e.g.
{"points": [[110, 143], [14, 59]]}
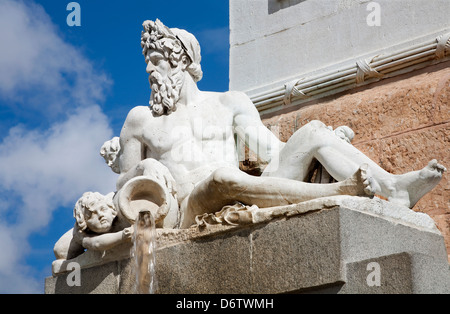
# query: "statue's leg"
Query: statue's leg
{"points": [[316, 141], [66, 247], [227, 185], [341, 159]]}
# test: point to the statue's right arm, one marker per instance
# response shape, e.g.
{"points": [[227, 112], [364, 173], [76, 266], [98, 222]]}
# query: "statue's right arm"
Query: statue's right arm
{"points": [[249, 127], [130, 147]]}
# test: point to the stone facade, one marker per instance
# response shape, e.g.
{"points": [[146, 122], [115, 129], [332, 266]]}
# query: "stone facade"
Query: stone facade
{"points": [[401, 123], [274, 41]]}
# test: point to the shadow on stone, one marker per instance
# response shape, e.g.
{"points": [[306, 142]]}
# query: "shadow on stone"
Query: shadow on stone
{"points": [[92, 281], [277, 5]]}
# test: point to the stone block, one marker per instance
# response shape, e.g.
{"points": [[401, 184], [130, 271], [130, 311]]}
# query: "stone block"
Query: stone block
{"points": [[443, 224], [390, 274], [430, 275], [294, 254], [379, 237], [325, 250], [95, 280], [219, 264]]}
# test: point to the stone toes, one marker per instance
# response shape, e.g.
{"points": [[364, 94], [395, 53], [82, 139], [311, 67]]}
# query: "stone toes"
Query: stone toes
{"points": [[369, 189], [441, 168], [433, 164]]}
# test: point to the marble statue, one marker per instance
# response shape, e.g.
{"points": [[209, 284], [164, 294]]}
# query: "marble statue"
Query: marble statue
{"points": [[181, 153], [95, 229], [193, 132], [109, 152]]}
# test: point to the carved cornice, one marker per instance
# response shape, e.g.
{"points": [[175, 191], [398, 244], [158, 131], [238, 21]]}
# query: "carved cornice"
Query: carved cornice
{"points": [[357, 73]]}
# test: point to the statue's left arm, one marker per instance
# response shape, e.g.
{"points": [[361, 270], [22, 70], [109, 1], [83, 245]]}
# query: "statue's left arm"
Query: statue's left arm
{"points": [[250, 129], [107, 241]]}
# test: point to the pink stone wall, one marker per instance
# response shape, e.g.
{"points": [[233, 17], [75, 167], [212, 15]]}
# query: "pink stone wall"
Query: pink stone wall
{"points": [[401, 123]]}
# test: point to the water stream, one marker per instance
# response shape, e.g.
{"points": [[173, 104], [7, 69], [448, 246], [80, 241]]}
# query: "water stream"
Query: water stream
{"points": [[143, 253]]}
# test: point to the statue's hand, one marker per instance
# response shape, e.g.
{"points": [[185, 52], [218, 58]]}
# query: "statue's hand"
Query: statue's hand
{"points": [[127, 233]]}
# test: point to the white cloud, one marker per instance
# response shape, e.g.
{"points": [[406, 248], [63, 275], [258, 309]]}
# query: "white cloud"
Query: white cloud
{"points": [[14, 276], [54, 166], [35, 58], [47, 170], [42, 170]]}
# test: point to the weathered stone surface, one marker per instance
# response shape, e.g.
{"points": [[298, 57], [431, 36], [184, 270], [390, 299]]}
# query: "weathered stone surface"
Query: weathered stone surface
{"points": [[390, 107], [395, 275], [400, 123], [305, 254], [96, 280], [323, 251], [443, 224], [268, 46], [441, 98], [371, 149], [413, 150], [219, 264]]}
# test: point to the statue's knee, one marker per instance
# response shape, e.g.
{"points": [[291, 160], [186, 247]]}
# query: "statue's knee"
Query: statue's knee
{"points": [[316, 124], [222, 176], [226, 178], [60, 251], [313, 131], [62, 246]]}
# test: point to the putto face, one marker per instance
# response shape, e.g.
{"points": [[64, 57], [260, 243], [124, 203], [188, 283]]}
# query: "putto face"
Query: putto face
{"points": [[113, 163], [99, 218], [109, 152]]}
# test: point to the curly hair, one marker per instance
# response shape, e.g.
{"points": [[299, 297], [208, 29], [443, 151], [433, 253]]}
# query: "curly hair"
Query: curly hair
{"points": [[173, 43], [86, 202]]}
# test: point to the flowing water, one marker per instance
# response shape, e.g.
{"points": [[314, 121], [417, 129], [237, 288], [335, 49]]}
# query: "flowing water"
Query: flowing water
{"points": [[143, 253]]}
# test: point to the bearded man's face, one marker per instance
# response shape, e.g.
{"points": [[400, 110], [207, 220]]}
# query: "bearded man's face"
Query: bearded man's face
{"points": [[165, 81]]}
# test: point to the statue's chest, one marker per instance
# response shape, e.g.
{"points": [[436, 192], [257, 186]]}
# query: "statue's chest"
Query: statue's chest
{"points": [[185, 127]]}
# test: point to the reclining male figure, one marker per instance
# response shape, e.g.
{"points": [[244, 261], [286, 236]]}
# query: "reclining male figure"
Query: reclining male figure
{"points": [[192, 133]]}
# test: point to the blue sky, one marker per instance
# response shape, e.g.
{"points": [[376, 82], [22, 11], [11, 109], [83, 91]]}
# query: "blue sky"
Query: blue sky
{"points": [[63, 92]]}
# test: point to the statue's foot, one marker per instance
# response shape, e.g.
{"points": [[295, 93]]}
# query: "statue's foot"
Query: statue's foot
{"points": [[345, 133], [410, 187], [359, 184]]}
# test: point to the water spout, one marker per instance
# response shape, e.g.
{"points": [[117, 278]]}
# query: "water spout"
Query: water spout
{"points": [[143, 252]]}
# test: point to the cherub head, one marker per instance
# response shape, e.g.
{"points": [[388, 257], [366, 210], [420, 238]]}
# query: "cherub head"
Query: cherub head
{"points": [[109, 152], [95, 212]]}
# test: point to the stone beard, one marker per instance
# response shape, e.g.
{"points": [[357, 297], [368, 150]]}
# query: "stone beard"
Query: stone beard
{"points": [[174, 44], [165, 90]]}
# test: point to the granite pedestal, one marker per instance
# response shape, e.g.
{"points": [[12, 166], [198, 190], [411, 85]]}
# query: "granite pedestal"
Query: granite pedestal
{"points": [[346, 245]]}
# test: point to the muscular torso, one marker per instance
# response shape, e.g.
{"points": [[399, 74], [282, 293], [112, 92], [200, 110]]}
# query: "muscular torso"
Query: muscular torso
{"points": [[194, 137]]}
